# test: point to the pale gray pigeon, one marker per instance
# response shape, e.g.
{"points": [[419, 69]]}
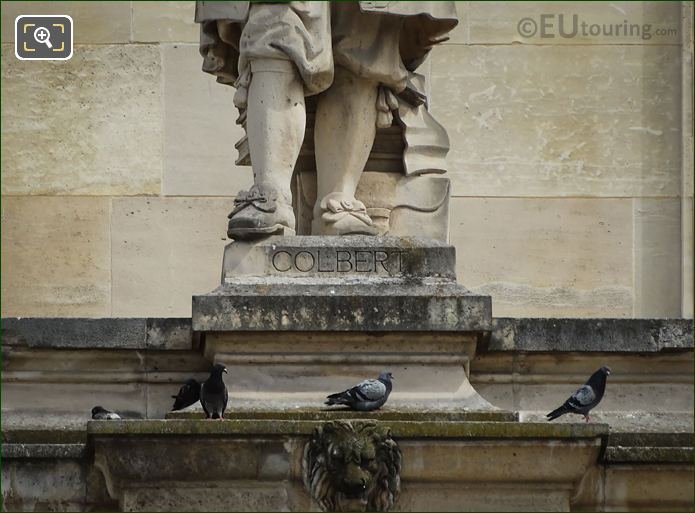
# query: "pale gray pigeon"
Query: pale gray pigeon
{"points": [[370, 394], [586, 397], [213, 393], [99, 413]]}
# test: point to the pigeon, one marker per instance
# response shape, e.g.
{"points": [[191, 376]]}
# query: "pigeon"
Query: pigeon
{"points": [[370, 394], [213, 393], [188, 394], [99, 413], [586, 398]]}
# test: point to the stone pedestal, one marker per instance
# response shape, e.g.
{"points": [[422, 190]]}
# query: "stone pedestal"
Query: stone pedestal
{"points": [[296, 318]]}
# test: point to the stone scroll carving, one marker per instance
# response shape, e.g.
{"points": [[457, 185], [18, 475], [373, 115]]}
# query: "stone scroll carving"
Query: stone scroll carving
{"points": [[352, 466], [330, 98]]}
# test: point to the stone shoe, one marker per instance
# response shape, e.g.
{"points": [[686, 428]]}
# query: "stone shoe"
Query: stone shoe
{"points": [[259, 212], [340, 215]]}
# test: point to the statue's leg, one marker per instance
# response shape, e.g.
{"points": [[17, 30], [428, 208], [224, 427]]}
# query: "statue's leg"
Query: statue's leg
{"points": [[276, 120], [343, 136]]}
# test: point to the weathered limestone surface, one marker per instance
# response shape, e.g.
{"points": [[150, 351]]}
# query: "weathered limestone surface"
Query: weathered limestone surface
{"points": [[80, 333], [164, 22], [431, 369], [95, 23], [688, 258], [97, 117], [653, 391], [498, 22], [528, 121], [546, 257], [439, 307], [605, 335], [55, 257], [199, 128], [659, 262], [640, 487], [158, 274], [65, 384]]}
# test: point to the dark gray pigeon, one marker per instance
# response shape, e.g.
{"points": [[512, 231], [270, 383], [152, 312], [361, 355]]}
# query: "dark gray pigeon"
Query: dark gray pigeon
{"points": [[213, 393], [188, 394], [99, 413], [586, 398], [370, 394]]}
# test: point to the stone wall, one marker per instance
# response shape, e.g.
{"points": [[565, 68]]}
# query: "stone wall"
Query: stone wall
{"points": [[571, 162]]}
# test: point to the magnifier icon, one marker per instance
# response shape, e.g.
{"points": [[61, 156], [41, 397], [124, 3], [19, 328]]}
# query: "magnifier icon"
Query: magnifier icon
{"points": [[42, 35]]}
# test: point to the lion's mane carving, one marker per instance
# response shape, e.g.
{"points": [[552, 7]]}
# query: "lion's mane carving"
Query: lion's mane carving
{"points": [[352, 467]]}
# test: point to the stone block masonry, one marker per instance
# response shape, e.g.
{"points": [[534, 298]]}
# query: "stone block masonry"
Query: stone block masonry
{"points": [[571, 163]]}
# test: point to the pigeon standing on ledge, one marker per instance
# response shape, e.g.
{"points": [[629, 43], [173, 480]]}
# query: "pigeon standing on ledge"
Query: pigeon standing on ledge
{"points": [[188, 394], [213, 393], [370, 394], [99, 413], [586, 398]]}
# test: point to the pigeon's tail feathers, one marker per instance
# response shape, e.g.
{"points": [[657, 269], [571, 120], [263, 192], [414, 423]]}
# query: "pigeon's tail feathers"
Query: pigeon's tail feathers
{"points": [[557, 412], [215, 415], [339, 398]]}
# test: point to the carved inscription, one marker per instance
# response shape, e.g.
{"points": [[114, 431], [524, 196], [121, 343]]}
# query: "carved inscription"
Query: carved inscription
{"points": [[338, 261]]}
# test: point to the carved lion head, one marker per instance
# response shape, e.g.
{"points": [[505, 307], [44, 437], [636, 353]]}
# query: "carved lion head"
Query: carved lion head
{"points": [[352, 467]]}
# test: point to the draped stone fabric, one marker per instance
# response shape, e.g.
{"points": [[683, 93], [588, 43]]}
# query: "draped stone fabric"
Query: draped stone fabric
{"points": [[378, 40]]}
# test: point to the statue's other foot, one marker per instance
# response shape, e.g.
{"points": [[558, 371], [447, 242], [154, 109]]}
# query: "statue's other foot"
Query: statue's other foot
{"points": [[260, 212], [342, 215]]}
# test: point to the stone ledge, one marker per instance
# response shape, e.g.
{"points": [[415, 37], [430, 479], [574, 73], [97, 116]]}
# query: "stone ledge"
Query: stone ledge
{"points": [[622, 447], [651, 455], [650, 439], [399, 428], [44, 435], [43, 451], [322, 414], [343, 307], [103, 333], [591, 335], [629, 447], [508, 334], [527, 458]]}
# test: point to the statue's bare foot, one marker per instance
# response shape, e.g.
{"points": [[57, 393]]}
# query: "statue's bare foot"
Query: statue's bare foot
{"points": [[260, 212], [342, 215]]}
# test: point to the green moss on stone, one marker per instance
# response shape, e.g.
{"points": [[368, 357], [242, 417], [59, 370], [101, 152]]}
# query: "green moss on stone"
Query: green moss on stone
{"points": [[43, 436], [399, 428], [383, 415]]}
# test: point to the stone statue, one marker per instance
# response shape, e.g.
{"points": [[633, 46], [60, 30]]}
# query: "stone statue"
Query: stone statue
{"points": [[352, 466], [359, 59]]}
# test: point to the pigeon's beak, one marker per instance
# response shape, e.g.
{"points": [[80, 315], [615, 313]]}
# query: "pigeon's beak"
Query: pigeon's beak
{"points": [[225, 370]]}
